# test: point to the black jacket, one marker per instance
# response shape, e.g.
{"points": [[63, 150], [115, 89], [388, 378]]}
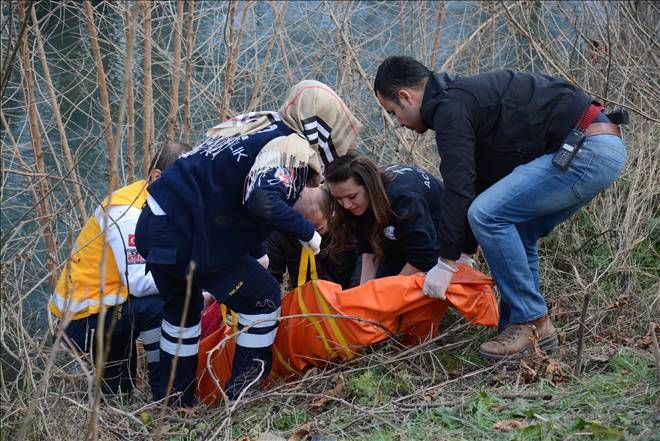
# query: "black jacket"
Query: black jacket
{"points": [[415, 197], [486, 125]]}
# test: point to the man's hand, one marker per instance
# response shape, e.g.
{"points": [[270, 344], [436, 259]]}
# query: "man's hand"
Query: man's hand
{"points": [[438, 279], [466, 259], [314, 243]]}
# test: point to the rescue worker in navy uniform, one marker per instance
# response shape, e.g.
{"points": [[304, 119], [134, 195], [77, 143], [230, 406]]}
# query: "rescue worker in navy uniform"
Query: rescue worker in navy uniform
{"points": [[134, 308], [498, 134], [216, 205], [394, 212]]}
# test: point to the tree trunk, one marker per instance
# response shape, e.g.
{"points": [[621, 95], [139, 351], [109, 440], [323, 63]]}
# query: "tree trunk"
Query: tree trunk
{"points": [[113, 178], [172, 126], [147, 95], [35, 136], [188, 75]]}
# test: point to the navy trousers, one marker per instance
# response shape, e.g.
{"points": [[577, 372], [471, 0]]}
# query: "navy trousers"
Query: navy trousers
{"points": [[245, 287], [137, 317]]}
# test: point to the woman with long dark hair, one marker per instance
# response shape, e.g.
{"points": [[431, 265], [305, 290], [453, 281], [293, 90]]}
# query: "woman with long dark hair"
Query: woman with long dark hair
{"points": [[392, 211]]}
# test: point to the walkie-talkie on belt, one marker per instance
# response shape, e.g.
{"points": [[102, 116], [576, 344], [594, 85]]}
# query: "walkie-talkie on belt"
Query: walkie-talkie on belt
{"points": [[575, 138], [568, 149]]}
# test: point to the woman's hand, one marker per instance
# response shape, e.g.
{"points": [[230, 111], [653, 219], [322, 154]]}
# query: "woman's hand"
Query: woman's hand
{"points": [[369, 266]]}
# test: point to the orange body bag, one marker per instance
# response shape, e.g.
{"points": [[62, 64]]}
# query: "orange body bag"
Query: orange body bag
{"points": [[321, 322]]}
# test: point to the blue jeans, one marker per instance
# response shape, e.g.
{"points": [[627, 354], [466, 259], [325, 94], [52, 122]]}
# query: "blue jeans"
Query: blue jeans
{"points": [[510, 217]]}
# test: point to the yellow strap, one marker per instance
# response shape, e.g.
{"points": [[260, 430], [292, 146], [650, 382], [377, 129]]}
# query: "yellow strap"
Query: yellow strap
{"points": [[223, 313], [325, 308], [315, 322], [312, 265], [307, 258], [302, 270], [284, 363], [234, 317]]}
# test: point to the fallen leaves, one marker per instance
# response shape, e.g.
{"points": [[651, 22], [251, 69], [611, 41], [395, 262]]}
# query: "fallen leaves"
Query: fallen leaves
{"points": [[540, 365], [301, 432], [506, 425], [325, 397]]}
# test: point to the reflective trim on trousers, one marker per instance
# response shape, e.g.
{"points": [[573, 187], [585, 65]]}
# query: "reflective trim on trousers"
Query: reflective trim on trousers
{"points": [[153, 356], [150, 336], [264, 320], [248, 340], [180, 332], [184, 350]]}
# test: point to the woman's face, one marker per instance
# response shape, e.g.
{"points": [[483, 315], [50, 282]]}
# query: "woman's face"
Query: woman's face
{"points": [[350, 195]]}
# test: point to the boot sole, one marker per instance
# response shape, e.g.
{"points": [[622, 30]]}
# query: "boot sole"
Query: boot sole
{"points": [[548, 345]]}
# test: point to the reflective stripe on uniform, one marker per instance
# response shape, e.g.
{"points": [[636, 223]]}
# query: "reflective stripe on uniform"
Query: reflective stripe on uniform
{"points": [[150, 336], [259, 320], [180, 332], [64, 304], [152, 356], [184, 350], [248, 340]]}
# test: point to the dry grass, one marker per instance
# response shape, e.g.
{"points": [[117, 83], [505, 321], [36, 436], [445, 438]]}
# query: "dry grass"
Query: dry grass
{"points": [[87, 143]]}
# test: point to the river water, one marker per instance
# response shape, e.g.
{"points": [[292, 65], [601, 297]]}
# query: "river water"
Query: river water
{"points": [[307, 45]]}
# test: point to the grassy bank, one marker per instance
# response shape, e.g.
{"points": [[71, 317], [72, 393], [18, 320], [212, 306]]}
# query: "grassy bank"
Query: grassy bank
{"points": [[67, 136]]}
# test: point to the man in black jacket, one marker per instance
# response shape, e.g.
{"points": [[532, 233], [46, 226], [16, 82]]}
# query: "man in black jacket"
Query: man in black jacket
{"points": [[497, 134]]}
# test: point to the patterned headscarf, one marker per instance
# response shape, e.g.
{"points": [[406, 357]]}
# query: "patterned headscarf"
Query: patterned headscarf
{"points": [[315, 110], [312, 109], [325, 128]]}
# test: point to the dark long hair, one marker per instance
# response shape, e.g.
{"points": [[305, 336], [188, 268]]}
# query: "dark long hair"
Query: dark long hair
{"points": [[343, 224]]}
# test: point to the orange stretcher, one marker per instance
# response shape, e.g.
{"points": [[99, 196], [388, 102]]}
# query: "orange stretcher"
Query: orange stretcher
{"points": [[321, 322]]}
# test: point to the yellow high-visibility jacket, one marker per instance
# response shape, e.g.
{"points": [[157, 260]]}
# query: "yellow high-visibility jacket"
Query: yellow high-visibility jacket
{"points": [[79, 291]]}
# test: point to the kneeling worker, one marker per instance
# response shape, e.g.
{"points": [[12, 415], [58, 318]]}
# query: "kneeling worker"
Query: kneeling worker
{"points": [[134, 308], [215, 206]]}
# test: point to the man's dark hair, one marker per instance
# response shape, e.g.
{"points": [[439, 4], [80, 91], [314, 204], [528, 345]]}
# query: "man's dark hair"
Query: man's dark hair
{"points": [[168, 154], [396, 73]]}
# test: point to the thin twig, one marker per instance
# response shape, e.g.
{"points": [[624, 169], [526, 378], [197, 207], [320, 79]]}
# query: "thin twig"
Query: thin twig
{"points": [[656, 349], [113, 178], [190, 40], [172, 124], [147, 94], [57, 115], [35, 137]]}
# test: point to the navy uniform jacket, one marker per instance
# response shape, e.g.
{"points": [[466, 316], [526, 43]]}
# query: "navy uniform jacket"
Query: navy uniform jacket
{"points": [[412, 236], [207, 195]]}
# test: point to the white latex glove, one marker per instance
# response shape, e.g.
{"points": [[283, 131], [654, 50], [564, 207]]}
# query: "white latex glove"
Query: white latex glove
{"points": [[466, 259], [438, 279], [208, 298], [314, 243], [264, 261]]}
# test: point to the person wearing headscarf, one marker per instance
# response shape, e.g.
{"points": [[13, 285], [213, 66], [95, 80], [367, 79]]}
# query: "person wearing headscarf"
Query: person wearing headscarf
{"points": [[209, 214]]}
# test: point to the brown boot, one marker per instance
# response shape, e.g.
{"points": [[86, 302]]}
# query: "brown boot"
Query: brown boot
{"points": [[516, 340]]}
